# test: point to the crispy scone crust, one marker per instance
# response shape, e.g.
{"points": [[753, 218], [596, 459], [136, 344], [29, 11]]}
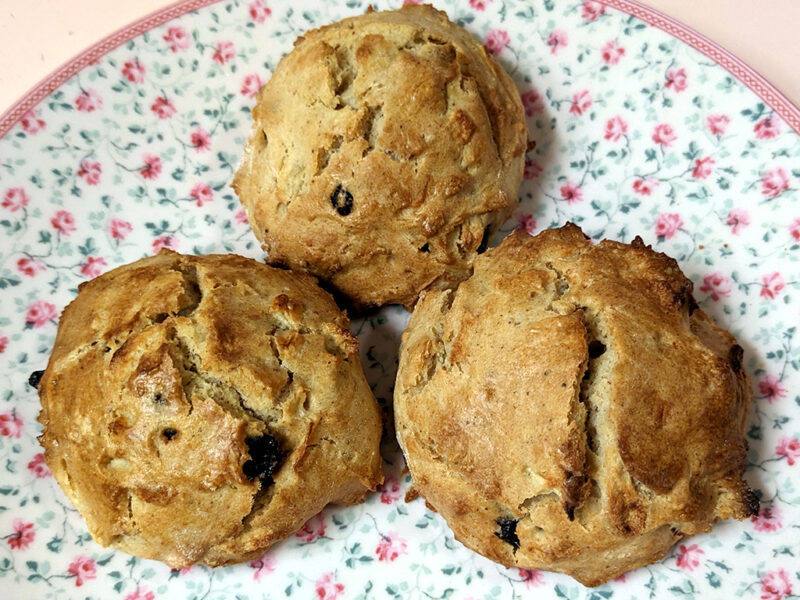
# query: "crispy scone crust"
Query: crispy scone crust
{"points": [[385, 150], [570, 408], [199, 409]]}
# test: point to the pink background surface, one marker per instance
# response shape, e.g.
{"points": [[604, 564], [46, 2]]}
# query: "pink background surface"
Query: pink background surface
{"points": [[41, 35]]}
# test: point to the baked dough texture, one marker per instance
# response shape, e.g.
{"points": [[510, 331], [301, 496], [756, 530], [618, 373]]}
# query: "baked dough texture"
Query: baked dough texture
{"points": [[200, 409], [385, 149], [570, 408]]}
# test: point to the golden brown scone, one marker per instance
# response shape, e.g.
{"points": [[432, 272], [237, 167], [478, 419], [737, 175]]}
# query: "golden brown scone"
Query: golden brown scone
{"points": [[199, 409], [570, 408], [385, 150]]}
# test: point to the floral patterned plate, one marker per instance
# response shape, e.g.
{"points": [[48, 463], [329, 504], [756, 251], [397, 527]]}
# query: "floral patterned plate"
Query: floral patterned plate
{"points": [[131, 148]]}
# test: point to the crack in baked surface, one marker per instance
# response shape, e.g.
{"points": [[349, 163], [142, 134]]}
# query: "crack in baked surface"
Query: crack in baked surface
{"points": [[578, 393]]}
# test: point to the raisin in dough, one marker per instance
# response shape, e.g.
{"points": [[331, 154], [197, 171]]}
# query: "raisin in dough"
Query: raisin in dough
{"points": [[385, 150], [199, 409], [570, 408]]}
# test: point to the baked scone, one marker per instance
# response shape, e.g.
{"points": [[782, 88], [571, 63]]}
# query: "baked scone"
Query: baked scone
{"points": [[199, 409], [385, 150], [570, 408]]}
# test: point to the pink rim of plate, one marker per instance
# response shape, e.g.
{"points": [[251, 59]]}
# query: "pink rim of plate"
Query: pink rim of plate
{"points": [[771, 96]]}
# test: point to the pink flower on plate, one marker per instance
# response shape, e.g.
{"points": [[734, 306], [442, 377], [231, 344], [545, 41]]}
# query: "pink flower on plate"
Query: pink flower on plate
{"points": [[612, 52], [200, 140], [496, 40], [327, 588], [10, 425], [240, 216], [133, 71], [532, 169], [664, 134], [768, 519], [676, 79], [644, 187], [119, 228], [313, 528], [771, 388], [775, 585], [23, 535], [259, 12], [788, 447], [37, 466], [152, 166], [163, 107], [772, 285], [83, 569], [29, 266], [558, 39], [40, 313], [717, 124], [738, 218], [571, 192], [63, 221], [716, 284], [703, 167], [592, 10], [689, 557], [531, 577], [533, 102], [31, 123], [141, 594], [15, 198], [616, 127], [391, 547], [250, 85], [767, 128], [668, 224], [165, 241], [224, 52], [3, 342], [90, 171], [581, 101], [93, 266], [390, 490], [263, 566], [177, 38], [202, 193], [774, 183], [527, 222], [479, 4], [88, 101], [794, 230]]}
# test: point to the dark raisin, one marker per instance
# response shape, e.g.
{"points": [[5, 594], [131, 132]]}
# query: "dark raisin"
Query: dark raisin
{"points": [[484, 241], [159, 399], [596, 348], [265, 458], [342, 200], [169, 433], [735, 356], [508, 531], [425, 248], [35, 378]]}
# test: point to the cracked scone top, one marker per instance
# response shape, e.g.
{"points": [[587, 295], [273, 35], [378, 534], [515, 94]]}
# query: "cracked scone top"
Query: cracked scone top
{"points": [[199, 409], [570, 408], [385, 150]]}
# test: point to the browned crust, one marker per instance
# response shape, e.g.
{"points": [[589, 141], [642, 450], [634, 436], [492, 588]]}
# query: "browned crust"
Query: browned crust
{"points": [[605, 455], [419, 130], [161, 370]]}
